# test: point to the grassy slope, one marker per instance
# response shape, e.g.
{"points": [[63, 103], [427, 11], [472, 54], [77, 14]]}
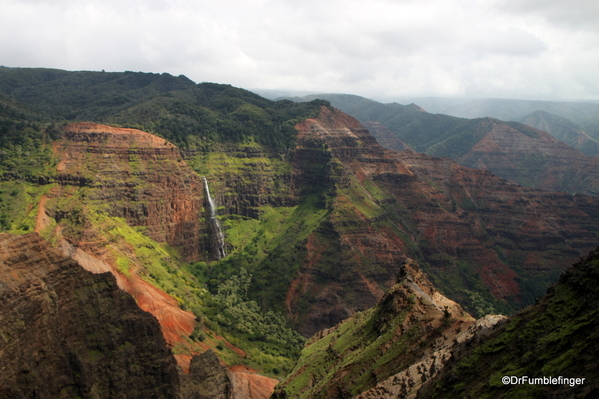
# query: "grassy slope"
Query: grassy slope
{"points": [[555, 337], [214, 124]]}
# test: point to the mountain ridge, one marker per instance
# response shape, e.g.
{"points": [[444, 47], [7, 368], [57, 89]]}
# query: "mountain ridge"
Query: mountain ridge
{"points": [[386, 351], [65, 330], [523, 155]]}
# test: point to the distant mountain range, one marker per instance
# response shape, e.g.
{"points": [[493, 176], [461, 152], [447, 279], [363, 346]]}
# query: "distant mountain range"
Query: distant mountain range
{"points": [[514, 151]]}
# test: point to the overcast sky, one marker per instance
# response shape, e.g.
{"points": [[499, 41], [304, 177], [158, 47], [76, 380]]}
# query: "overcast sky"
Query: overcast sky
{"points": [[531, 49]]}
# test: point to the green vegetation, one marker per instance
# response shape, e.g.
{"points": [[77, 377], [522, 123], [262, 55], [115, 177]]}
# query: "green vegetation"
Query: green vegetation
{"points": [[555, 337], [27, 165], [433, 134], [279, 224], [464, 284], [189, 115], [222, 130], [247, 326], [271, 248], [356, 354]]}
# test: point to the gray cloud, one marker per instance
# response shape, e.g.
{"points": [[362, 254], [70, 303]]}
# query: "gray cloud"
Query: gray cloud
{"points": [[575, 14], [380, 49]]}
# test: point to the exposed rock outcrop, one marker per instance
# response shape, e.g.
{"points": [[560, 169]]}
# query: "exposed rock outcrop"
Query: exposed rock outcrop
{"points": [[388, 351], [66, 332], [207, 379], [109, 174], [406, 383], [545, 351], [140, 177]]}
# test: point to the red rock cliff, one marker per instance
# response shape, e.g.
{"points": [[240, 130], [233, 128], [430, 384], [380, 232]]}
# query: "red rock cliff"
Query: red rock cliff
{"points": [[141, 179], [390, 204]]}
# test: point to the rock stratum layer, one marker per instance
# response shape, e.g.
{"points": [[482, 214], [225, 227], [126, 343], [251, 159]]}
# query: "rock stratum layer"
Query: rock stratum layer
{"points": [[466, 226], [533, 159], [524, 155], [125, 197], [140, 177], [117, 186], [368, 208], [66, 332]]}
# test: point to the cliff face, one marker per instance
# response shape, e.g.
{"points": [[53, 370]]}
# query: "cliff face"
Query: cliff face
{"points": [[65, 331], [207, 378], [535, 160], [123, 198], [516, 152], [361, 209], [387, 351], [140, 177], [467, 226]]}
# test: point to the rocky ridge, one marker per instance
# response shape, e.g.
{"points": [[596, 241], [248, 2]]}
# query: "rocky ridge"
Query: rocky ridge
{"points": [[554, 338], [106, 174], [388, 351], [511, 150], [67, 332]]}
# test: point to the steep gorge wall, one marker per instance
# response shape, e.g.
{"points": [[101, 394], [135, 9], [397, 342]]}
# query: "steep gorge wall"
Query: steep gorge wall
{"points": [[470, 228], [115, 187], [66, 332], [124, 198], [473, 231], [140, 178]]}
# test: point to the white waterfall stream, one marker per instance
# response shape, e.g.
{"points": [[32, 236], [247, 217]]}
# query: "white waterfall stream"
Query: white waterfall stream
{"points": [[217, 237]]}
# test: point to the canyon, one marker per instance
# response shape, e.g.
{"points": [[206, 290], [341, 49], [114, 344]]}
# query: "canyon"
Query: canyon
{"points": [[390, 350], [230, 218], [376, 207]]}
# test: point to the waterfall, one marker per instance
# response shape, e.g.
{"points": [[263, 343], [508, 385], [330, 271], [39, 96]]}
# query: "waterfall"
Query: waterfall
{"points": [[217, 238]]}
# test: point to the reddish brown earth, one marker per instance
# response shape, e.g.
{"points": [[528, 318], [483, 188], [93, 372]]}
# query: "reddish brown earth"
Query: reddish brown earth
{"points": [[445, 214], [142, 179], [248, 384], [538, 160], [141, 176]]}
